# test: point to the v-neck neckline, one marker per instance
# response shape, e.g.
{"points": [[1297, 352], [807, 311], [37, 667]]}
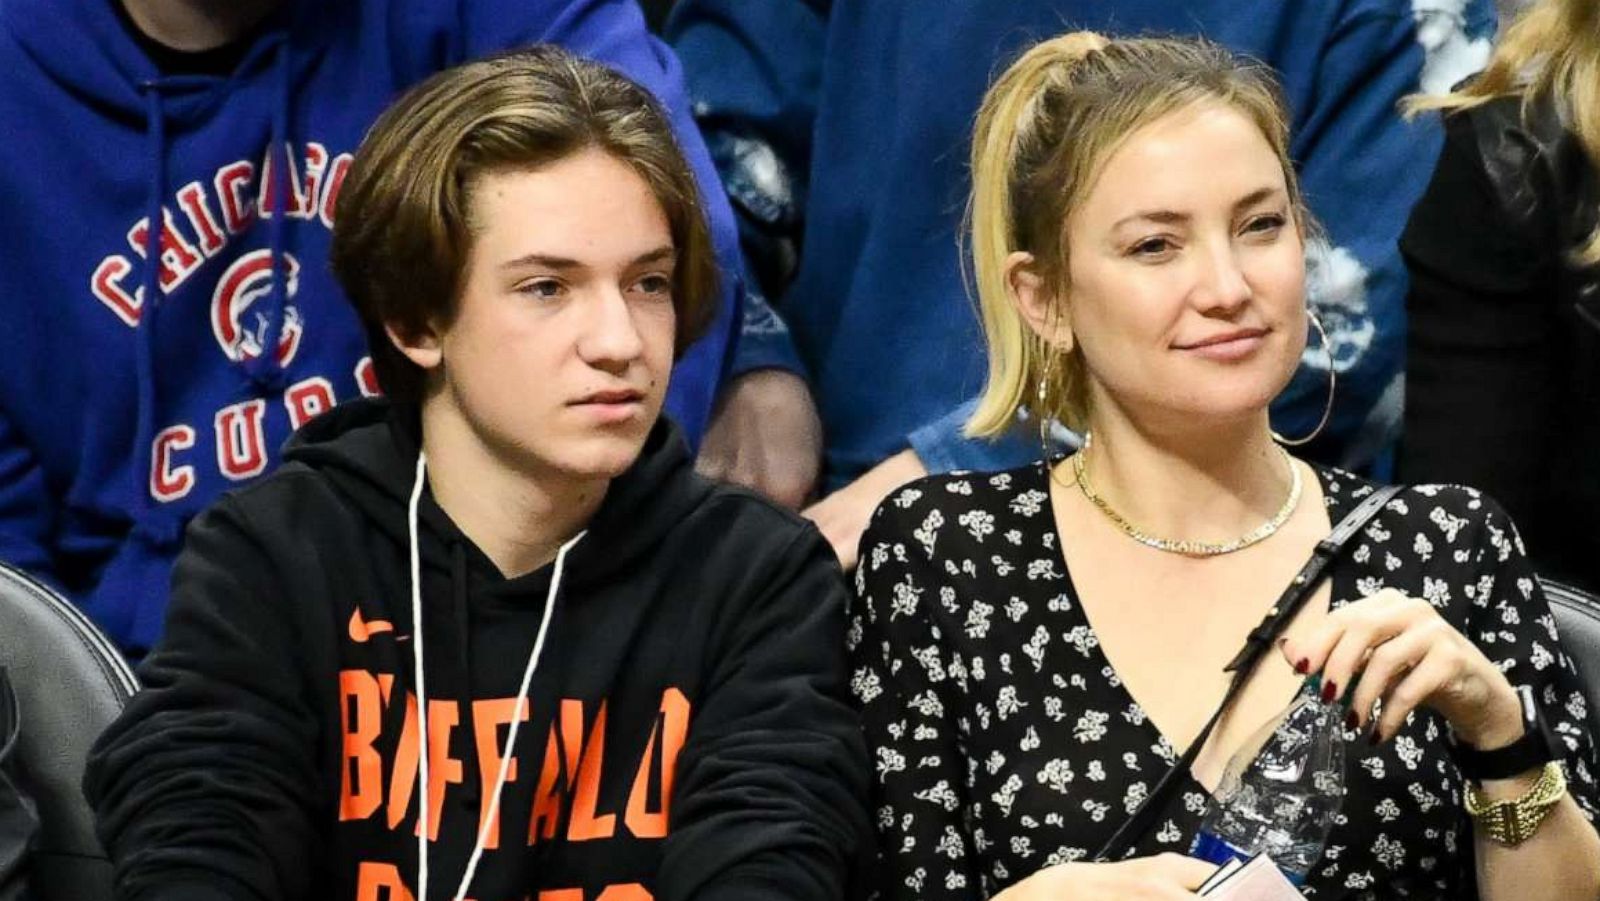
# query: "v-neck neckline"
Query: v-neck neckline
{"points": [[1338, 506]]}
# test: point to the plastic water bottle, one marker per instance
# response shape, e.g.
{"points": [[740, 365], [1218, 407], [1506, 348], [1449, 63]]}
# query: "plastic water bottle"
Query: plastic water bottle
{"points": [[1280, 792]]}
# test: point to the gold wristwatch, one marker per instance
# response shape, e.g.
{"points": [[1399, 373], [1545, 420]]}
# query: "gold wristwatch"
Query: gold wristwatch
{"points": [[1512, 822]]}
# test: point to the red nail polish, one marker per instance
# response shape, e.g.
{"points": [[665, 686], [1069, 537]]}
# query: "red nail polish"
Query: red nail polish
{"points": [[1351, 720], [1302, 666], [1329, 692]]}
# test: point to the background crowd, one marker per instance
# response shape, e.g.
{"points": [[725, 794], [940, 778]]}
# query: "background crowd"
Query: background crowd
{"points": [[846, 357], [174, 322]]}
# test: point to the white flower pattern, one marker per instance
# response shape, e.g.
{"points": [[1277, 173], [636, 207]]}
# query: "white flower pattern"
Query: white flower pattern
{"points": [[1005, 742]]}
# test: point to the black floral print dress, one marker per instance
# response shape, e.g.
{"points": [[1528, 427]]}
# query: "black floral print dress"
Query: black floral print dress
{"points": [[1005, 742]]}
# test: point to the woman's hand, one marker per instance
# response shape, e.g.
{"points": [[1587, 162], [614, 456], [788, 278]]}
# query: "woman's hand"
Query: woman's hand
{"points": [[1164, 877], [1402, 652]]}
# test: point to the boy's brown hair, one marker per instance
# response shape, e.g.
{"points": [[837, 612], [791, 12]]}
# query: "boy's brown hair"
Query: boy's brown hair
{"points": [[402, 235]]}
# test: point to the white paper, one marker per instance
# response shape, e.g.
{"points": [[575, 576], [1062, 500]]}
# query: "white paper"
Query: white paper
{"points": [[1258, 880]]}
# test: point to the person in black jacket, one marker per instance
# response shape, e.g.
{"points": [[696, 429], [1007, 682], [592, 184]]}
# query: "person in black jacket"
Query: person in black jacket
{"points": [[631, 682], [1503, 368]]}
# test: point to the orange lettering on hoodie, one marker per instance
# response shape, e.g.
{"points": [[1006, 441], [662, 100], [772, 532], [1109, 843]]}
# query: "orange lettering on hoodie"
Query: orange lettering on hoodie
{"points": [[404, 776], [442, 768], [584, 825], [671, 728], [380, 882], [361, 768], [487, 718], [582, 759], [547, 797], [632, 891]]}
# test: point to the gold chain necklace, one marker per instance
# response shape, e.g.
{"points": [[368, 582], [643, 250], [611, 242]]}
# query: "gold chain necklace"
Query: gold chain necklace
{"points": [[1187, 547]]}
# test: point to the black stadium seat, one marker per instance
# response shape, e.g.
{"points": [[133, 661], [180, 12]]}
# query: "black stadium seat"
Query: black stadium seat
{"points": [[1578, 622], [70, 683]]}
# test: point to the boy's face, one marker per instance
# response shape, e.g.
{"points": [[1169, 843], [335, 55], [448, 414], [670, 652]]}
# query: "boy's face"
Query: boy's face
{"points": [[557, 361]]}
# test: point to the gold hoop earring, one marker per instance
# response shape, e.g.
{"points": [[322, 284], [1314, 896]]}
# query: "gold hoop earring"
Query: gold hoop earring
{"points": [[1327, 408]]}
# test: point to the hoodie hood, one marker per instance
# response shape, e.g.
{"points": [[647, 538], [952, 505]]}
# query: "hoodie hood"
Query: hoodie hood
{"points": [[81, 45], [368, 448]]}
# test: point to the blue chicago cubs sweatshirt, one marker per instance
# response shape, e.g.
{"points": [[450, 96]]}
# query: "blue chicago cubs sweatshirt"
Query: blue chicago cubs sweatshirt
{"points": [[843, 129], [121, 416]]}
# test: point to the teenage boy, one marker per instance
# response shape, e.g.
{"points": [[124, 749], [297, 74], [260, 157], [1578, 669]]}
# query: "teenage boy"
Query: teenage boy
{"points": [[145, 371], [630, 681]]}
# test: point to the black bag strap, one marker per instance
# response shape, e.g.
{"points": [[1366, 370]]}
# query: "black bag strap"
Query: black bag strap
{"points": [[1256, 645]]}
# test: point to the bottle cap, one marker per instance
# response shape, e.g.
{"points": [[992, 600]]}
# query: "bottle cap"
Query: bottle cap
{"points": [[1313, 685]]}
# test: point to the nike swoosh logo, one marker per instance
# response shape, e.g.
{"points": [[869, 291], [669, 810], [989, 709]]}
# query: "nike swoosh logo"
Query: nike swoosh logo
{"points": [[361, 630]]}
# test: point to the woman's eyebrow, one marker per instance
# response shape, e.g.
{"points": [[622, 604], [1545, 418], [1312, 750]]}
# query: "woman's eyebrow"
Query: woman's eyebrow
{"points": [[1256, 196]]}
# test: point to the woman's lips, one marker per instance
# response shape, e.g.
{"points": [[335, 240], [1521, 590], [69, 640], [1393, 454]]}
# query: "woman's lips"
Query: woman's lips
{"points": [[1228, 347]]}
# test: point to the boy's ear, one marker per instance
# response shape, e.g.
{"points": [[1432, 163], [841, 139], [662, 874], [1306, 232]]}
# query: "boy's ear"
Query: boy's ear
{"points": [[1036, 302], [421, 346]]}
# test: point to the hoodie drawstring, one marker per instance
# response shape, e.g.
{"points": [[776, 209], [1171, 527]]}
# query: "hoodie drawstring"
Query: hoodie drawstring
{"points": [[471, 783], [145, 350], [493, 812], [264, 370], [165, 531]]}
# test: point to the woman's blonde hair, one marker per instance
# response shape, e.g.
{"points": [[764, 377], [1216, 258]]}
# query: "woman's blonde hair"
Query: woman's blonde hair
{"points": [[402, 230], [1045, 129], [1551, 50]]}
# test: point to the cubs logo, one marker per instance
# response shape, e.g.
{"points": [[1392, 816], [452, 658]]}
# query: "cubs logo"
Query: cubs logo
{"points": [[239, 328]]}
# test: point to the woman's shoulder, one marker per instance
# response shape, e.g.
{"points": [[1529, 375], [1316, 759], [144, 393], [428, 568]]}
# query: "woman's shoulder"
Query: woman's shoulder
{"points": [[1490, 213], [945, 547], [959, 525], [1343, 490], [950, 496], [1534, 123], [1424, 515], [1525, 150]]}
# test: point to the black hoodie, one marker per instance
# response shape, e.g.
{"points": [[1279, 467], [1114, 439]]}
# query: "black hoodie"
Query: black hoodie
{"points": [[694, 663]]}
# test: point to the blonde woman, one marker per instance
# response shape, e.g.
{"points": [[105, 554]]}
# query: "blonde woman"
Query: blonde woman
{"points": [[1503, 387], [1034, 648]]}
